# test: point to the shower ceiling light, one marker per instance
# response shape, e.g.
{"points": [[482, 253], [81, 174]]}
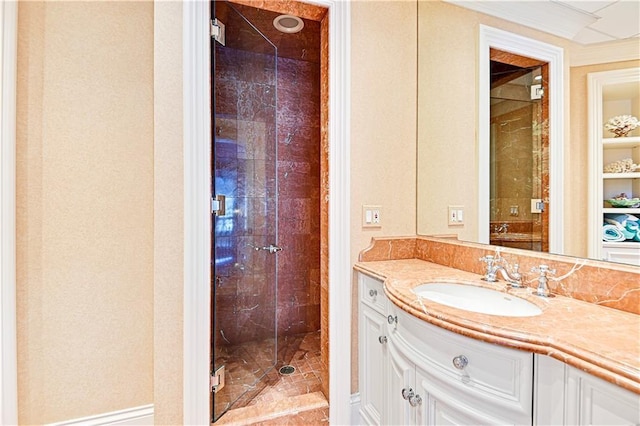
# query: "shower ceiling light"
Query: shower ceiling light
{"points": [[288, 24]]}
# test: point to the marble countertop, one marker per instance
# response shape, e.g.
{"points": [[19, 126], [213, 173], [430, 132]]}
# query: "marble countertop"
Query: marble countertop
{"points": [[602, 341]]}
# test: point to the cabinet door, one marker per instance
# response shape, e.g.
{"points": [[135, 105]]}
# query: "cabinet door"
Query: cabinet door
{"points": [[443, 404], [400, 375], [373, 356], [593, 401]]}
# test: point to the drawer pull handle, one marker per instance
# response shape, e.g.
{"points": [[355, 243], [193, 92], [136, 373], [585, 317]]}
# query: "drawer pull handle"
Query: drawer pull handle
{"points": [[373, 293], [460, 362], [392, 319], [415, 400], [382, 339], [407, 393]]}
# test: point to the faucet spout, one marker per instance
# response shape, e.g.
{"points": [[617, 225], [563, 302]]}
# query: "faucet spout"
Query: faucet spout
{"points": [[513, 277]]}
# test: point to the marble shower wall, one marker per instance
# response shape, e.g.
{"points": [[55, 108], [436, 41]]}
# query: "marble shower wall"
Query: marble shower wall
{"points": [[513, 162], [246, 154], [299, 195]]}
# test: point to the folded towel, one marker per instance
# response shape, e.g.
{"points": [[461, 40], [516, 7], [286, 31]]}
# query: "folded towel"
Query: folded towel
{"points": [[612, 233], [628, 235], [621, 220]]}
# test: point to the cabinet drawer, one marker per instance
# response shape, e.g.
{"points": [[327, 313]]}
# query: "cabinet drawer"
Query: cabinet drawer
{"points": [[620, 254], [372, 292], [493, 374]]}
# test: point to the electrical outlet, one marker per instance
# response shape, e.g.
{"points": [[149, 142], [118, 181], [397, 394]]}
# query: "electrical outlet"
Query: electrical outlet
{"points": [[455, 215], [371, 216]]}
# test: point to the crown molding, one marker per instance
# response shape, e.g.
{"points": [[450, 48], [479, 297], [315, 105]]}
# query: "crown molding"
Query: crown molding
{"points": [[550, 17], [601, 53]]}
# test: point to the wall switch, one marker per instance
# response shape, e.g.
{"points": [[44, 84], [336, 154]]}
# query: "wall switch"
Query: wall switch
{"points": [[514, 211], [456, 215], [371, 216]]}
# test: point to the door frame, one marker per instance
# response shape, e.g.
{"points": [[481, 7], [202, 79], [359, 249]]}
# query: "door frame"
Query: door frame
{"points": [[8, 343], [528, 62], [197, 226], [554, 55]]}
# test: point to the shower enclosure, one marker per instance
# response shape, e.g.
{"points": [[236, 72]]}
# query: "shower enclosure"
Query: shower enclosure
{"points": [[245, 242], [519, 155]]}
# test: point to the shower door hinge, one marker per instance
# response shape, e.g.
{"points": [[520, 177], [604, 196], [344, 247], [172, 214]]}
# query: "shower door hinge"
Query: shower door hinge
{"points": [[218, 206], [217, 31], [217, 379]]}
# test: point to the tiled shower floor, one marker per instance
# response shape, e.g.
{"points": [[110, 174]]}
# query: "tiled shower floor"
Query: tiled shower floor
{"points": [[281, 399]]}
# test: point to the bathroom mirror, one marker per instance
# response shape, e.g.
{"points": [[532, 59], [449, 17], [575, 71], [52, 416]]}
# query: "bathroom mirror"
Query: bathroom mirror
{"points": [[448, 153]]}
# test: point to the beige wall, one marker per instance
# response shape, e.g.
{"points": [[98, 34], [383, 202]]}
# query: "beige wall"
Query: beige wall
{"points": [[383, 124], [100, 272], [383, 117], [448, 112], [168, 206], [84, 208]]}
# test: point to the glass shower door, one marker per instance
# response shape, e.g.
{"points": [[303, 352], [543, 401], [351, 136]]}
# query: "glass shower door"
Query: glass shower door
{"points": [[518, 157], [244, 287]]}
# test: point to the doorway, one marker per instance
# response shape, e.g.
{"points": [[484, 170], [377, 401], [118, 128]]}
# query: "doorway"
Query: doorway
{"points": [[553, 55], [268, 233], [519, 152]]}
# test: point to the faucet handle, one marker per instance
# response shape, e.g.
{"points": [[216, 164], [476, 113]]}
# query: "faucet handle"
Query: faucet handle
{"points": [[516, 270], [488, 259], [543, 289], [543, 270]]}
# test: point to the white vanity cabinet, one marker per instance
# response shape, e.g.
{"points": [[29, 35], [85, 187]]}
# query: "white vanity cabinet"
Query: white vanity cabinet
{"points": [[452, 379], [407, 373], [566, 395], [372, 354], [412, 372]]}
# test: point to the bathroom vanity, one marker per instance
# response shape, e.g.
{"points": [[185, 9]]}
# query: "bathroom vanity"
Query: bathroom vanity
{"points": [[423, 362]]}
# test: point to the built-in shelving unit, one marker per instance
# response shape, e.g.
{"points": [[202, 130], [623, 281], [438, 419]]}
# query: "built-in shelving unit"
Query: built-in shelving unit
{"points": [[612, 93]]}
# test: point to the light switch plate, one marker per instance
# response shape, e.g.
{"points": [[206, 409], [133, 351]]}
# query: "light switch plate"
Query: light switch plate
{"points": [[371, 216]]}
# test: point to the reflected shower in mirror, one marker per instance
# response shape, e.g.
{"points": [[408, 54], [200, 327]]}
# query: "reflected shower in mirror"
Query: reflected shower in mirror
{"points": [[518, 139]]}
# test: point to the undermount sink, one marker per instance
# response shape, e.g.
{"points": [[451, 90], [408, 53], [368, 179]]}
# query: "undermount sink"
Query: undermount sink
{"points": [[477, 299]]}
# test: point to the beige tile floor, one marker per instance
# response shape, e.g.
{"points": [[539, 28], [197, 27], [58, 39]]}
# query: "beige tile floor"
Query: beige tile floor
{"points": [[294, 399]]}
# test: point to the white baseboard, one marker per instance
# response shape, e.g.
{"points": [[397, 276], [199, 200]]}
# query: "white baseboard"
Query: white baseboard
{"points": [[135, 416], [355, 409]]}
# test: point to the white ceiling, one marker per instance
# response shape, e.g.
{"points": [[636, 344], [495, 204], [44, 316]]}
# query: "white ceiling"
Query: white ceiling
{"points": [[617, 20], [583, 21]]}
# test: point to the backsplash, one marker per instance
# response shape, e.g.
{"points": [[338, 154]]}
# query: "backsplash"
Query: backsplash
{"points": [[603, 283]]}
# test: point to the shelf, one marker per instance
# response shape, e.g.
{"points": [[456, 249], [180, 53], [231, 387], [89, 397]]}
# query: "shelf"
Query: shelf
{"points": [[620, 210], [634, 175], [612, 93], [620, 244], [627, 142]]}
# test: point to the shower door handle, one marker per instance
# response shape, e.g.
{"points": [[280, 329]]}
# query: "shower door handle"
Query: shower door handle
{"points": [[274, 249], [270, 248]]}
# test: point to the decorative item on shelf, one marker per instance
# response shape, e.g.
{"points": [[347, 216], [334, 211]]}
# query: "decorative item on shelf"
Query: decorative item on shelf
{"points": [[621, 125], [623, 201], [622, 166]]}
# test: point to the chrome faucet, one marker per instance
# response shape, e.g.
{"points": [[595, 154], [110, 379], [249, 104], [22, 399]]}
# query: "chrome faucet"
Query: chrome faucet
{"points": [[543, 289], [513, 277], [503, 227]]}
